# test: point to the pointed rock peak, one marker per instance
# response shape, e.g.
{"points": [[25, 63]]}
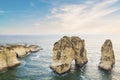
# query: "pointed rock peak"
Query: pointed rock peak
{"points": [[108, 43]]}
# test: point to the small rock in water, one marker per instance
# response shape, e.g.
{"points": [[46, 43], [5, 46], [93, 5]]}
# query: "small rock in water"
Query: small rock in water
{"points": [[34, 48]]}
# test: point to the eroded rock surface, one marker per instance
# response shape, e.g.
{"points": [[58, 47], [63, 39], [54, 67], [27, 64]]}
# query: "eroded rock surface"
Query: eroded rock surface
{"points": [[65, 51], [10, 52], [22, 50], [34, 48], [107, 56], [8, 58]]}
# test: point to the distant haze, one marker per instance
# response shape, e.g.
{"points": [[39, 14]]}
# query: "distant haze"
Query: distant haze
{"points": [[59, 16]]}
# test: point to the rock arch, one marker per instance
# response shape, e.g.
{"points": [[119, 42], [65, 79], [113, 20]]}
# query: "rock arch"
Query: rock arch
{"points": [[65, 51]]}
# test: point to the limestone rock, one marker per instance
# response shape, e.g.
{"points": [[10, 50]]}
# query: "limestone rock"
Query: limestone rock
{"points": [[23, 50], [3, 63], [20, 50], [65, 51], [34, 48], [107, 56], [10, 52], [80, 51], [7, 58]]}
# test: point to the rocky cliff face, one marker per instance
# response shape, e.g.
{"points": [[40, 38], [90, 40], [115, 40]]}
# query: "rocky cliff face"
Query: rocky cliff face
{"points": [[22, 50], [65, 51], [8, 59], [107, 56], [9, 54]]}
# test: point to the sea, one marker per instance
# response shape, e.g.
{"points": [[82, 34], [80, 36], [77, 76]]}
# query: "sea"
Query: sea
{"points": [[36, 66]]}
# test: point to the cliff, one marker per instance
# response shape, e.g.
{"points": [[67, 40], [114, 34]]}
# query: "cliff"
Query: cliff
{"points": [[10, 53]]}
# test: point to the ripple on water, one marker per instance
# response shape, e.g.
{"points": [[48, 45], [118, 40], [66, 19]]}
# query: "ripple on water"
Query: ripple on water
{"points": [[23, 63], [36, 57], [36, 66]]}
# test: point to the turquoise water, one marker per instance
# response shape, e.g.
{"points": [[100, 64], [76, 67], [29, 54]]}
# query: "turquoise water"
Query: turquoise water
{"points": [[36, 66]]}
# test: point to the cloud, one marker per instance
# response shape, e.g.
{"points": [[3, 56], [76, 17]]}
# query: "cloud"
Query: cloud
{"points": [[92, 17]]}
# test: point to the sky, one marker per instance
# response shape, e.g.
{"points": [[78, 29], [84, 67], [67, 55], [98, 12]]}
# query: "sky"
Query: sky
{"points": [[59, 17]]}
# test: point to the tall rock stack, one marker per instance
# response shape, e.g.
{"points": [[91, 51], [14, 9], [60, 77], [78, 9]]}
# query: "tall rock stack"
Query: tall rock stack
{"points": [[65, 51], [107, 56]]}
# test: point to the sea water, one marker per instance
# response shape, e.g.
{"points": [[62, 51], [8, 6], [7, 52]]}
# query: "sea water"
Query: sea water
{"points": [[36, 65]]}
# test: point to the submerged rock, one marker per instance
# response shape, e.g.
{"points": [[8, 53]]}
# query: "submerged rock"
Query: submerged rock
{"points": [[107, 56], [8, 58], [65, 51]]}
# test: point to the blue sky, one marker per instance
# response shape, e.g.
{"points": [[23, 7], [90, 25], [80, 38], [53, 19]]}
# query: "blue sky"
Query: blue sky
{"points": [[59, 16]]}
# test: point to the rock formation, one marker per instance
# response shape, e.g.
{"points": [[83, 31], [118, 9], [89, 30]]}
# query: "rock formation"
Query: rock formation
{"points": [[22, 50], [107, 56], [9, 54], [65, 51], [34, 48], [8, 58]]}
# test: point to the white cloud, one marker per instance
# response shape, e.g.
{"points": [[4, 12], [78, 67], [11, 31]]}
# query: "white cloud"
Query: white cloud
{"points": [[91, 17]]}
